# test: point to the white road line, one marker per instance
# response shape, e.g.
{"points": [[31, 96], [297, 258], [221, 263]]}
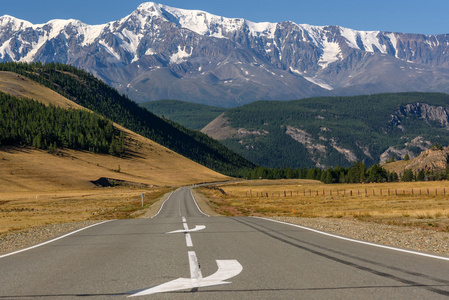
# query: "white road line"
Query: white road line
{"points": [[195, 271], [189, 240], [197, 204], [360, 242], [188, 237], [50, 241], [162, 205]]}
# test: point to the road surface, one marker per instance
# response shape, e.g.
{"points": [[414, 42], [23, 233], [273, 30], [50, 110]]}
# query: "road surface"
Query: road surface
{"points": [[183, 254]]}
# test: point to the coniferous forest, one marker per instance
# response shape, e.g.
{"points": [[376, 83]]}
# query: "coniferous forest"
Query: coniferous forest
{"points": [[25, 122]]}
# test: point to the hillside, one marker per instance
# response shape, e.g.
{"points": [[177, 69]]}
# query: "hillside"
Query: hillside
{"points": [[332, 131], [25, 170], [190, 115], [89, 92]]}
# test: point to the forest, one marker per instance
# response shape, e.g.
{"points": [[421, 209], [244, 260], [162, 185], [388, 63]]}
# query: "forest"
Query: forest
{"points": [[25, 122]]}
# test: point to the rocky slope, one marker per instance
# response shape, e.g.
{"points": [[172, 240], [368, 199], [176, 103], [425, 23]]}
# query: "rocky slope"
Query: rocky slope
{"points": [[160, 52], [332, 131], [432, 160]]}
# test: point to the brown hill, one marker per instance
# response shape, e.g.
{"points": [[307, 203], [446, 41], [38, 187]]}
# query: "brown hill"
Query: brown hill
{"points": [[433, 160], [26, 169]]}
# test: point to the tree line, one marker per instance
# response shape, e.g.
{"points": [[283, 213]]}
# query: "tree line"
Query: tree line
{"points": [[25, 122], [357, 173]]}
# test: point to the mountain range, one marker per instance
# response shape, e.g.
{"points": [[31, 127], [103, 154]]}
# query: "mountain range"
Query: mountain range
{"points": [[160, 52]]}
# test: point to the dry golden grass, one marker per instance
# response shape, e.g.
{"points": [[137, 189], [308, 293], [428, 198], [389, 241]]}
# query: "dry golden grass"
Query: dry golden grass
{"points": [[38, 188], [22, 87], [24, 210], [423, 204]]}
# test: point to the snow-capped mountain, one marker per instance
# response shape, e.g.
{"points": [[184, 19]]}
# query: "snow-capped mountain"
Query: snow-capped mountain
{"points": [[160, 52]]}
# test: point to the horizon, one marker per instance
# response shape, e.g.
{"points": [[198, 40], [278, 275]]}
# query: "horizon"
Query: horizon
{"points": [[427, 18]]}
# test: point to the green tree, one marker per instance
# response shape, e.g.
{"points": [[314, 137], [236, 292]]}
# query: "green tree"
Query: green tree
{"points": [[421, 176], [407, 176], [377, 174]]}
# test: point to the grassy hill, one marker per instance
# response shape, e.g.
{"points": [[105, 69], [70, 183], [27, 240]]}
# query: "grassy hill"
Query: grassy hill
{"points": [[87, 91], [332, 131], [191, 115], [25, 169]]}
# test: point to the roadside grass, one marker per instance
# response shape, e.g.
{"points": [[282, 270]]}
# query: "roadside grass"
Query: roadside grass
{"points": [[25, 210], [413, 204]]}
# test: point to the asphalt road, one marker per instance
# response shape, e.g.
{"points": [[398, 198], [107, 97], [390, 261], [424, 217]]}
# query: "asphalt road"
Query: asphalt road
{"points": [[183, 254]]}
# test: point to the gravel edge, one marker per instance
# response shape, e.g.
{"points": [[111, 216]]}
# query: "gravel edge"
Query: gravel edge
{"points": [[13, 241], [395, 236]]}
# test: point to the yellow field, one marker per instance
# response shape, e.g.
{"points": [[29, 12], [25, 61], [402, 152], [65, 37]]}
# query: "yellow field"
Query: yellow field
{"points": [[423, 204], [30, 210]]}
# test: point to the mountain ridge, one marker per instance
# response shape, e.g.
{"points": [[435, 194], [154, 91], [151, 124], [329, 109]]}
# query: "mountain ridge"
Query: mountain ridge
{"points": [[334, 131], [161, 52]]}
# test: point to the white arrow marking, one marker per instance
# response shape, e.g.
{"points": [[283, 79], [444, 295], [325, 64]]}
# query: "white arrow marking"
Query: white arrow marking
{"points": [[197, 228], [226, 270]]}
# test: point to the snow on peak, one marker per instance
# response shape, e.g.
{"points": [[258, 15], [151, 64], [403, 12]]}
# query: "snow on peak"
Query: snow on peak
{"points": [[264, 28], [205, 23], [368, 39], [150, 8], [16, 24]]}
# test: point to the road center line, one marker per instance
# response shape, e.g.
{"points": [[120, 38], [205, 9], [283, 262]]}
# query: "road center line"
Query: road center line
{"points": [[189, 240], [188, 237], [195, 272]]}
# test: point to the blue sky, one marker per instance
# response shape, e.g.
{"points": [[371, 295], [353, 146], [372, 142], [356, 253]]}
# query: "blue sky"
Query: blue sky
{"points": [[427, 17]]}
